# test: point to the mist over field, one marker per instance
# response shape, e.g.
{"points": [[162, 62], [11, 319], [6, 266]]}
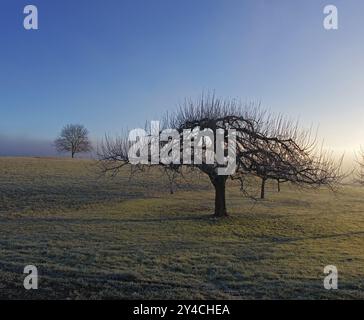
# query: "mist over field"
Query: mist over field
{"points": [[30, 147], [23, 146]]}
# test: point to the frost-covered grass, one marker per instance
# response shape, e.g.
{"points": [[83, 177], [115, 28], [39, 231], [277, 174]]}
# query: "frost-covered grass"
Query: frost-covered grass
{"points": [[92, 237]]}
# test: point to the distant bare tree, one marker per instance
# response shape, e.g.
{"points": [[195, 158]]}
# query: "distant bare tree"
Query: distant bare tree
{"points": [[263, 144], [359, 178], [279, 184], [264, 179], [74, 139]]}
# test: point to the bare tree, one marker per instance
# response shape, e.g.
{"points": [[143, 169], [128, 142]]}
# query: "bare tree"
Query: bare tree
{"points": [[263, 144], [74, 139], [279, 181], [359, 178]]}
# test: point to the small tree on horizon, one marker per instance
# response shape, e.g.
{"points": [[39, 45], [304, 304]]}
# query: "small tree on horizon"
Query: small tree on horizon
{"points": [[359, 178], [74, 139]]}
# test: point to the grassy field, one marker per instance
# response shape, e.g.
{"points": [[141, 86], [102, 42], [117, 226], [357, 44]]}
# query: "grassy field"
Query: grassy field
{"points": [[97, 238]]}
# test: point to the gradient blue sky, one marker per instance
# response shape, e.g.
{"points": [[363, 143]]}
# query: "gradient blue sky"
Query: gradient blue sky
{"points": [[112, 64]]}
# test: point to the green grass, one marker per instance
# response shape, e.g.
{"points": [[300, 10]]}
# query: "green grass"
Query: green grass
{"points": [[94, 238]]}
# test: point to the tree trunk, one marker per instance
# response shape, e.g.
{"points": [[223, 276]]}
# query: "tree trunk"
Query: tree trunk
{"points": [[279, 186], [220, 200], [262, 189], [72, 155]]}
